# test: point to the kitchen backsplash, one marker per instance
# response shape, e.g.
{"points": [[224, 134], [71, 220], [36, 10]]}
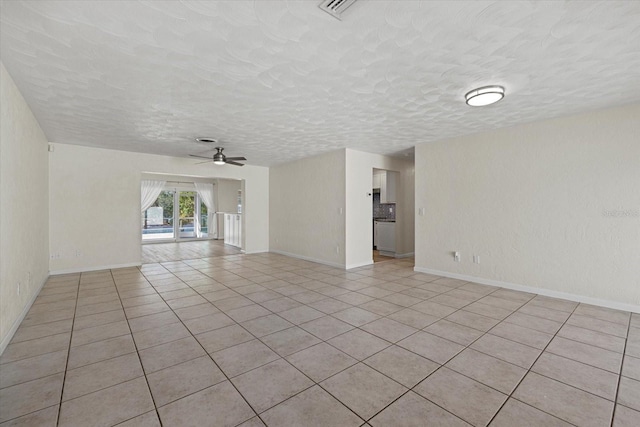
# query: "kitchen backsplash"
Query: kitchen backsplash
{"points": [[383, 210]]}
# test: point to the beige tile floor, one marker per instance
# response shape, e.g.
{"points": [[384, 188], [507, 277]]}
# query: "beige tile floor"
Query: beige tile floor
{"points": [[163, 252], [269, 340]]}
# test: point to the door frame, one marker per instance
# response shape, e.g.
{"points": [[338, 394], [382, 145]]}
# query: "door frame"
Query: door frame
{"points": [[176, 189]]}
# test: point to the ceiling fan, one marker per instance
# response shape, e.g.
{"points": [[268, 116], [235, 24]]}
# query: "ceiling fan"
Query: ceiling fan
{"points": [[220, 159]]}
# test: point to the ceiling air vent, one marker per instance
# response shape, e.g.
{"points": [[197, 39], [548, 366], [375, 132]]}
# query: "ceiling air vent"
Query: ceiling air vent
{"points": [[206, 140], [335, 8]]}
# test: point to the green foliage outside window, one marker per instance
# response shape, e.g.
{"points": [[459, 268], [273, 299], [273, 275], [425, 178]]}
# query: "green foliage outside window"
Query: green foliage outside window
{"points": [[165, 201], [187, 204]]}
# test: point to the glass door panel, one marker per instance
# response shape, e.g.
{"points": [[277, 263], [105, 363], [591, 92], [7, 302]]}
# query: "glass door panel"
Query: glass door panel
{"points": [[187, 219], [157, 221], [204, 219]]}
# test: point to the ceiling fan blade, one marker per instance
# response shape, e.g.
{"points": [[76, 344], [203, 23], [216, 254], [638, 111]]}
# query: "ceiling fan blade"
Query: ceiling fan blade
{"points": [[233, 163], [201, 157], [199, 163], [236, 158]]}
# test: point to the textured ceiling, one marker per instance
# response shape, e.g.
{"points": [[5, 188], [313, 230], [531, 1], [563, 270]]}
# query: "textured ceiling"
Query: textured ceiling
{"points": [[281, 80]]}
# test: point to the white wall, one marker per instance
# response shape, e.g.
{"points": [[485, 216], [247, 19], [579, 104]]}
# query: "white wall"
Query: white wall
{"points": [[227, 191], [359, 220], [534, 201], [307, 208], [24, 207], [320, 207], [95, 204]]}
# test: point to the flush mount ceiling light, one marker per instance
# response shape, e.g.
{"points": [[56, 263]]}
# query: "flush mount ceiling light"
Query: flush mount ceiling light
{"points": [[486, 95]]}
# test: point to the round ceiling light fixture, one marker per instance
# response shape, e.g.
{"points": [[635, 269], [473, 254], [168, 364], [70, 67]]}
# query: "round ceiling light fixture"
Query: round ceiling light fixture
{"points": [[485, 95]]}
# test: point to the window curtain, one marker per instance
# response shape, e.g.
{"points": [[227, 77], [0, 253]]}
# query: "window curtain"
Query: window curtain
{"points": [[205, 191], [149, 192]]}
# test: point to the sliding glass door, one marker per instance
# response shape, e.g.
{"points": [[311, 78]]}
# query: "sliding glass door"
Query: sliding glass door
{"points": [[157, 221], [175, 215]]}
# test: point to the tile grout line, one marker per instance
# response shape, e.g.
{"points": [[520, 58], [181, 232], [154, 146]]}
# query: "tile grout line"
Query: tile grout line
{"points": [[553, 336], [207, 353], [314, 383], [391, 343], [45, 376], [419, 330], [558, 355], [330, 314], [66, 367], [510, 396], [469, 346], [624, 351], [411, 389], [37, 355], [144, 374], [485, 332]]}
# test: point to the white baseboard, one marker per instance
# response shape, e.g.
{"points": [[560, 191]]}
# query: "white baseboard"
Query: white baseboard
{"points": [[102, 267], [14, 327], [306, 258], [540, 291], [359, 264], [407, 255], [258, 251]]}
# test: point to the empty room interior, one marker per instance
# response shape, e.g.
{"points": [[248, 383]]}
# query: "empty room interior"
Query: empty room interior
{"points": [[320, 213]]}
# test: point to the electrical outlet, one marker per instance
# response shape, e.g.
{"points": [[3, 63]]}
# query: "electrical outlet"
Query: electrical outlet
{"points": [[456, 256], [476, 259], [18, 288], [337, 249]]}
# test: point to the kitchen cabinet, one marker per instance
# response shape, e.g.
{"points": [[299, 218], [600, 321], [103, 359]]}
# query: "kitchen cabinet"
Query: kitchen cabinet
{"points": [[386, 181], [388, 187], [385, 236], [377, 178], [233, 229]]}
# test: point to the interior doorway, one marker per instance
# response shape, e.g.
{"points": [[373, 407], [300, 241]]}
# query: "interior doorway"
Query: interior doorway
{"points": [[191, 217], [380, 258], [384, 191]]}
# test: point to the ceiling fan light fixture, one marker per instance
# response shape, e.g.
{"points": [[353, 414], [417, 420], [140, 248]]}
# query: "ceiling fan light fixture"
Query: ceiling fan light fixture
{"points": [[219, 158], [485, 95]]}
